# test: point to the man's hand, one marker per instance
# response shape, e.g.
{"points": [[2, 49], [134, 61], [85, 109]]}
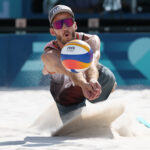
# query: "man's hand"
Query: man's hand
{"points": [[91, 89], [96, 88]]}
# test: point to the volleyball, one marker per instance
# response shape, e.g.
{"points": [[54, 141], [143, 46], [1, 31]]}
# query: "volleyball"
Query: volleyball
{"points": [[76, 56]]}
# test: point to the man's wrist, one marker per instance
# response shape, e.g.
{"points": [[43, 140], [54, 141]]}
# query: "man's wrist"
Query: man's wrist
{"points": [[93, 80], [80, 83], [78, 78]]}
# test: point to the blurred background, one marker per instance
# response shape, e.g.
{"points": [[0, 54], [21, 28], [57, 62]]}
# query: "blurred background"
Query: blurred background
{"points": [[122, 25]]}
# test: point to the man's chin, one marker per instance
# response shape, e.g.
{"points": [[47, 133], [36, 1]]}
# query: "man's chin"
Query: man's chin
{"points": [[67, 40]]}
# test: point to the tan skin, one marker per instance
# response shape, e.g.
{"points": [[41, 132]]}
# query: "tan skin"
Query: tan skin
{"points": [[88, 80]]}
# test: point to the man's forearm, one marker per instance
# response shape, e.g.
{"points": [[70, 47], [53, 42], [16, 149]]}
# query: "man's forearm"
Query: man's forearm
{"points": [[78, 78], [92, 73], [53, 64]]}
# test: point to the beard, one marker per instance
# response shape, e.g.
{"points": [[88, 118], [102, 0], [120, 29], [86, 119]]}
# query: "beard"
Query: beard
{"points": [[63, 40]]}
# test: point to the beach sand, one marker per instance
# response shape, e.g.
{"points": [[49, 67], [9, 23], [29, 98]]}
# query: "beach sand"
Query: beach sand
{"points": [[27, 117]]}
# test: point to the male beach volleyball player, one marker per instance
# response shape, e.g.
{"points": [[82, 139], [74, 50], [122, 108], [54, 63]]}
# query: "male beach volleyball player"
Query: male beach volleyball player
{"points": [[70, 90]]}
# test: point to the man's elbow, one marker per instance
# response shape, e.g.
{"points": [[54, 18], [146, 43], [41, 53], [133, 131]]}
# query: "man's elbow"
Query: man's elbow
{"points": [[96, 37], [44, 58], [48, 60]]}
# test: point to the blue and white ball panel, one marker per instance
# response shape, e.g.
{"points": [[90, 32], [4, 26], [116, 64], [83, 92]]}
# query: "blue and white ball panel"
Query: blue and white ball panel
{"points": [[76, 56]]}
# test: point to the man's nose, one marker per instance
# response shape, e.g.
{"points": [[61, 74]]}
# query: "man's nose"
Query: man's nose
{"points": [[64, 26]]}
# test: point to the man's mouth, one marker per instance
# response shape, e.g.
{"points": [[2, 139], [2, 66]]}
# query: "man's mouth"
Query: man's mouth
{"points": [[66, 34]]}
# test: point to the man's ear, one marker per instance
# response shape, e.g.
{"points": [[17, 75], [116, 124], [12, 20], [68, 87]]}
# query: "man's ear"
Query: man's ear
{"points": [[75, 25], [51, 30]]}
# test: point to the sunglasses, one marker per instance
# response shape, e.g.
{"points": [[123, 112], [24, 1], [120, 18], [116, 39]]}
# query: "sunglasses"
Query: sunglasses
{"points": [[59, 24]]}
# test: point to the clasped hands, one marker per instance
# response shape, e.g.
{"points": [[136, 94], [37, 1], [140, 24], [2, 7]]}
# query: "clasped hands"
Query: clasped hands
{"points": [[92, 89]]}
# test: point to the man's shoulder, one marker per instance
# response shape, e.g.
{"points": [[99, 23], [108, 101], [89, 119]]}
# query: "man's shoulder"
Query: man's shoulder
{"points": [[84, 36], [51, 45]]}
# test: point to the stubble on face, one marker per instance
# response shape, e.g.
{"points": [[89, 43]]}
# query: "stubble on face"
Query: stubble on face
{"points": [[65, 34], [63, 40]]}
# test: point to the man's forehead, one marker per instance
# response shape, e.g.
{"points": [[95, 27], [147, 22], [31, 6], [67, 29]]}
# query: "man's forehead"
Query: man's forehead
{"points": [[62, 15]]}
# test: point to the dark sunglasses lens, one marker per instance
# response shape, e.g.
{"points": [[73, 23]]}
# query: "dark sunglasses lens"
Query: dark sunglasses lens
{"points": [[68, 22], [58, 24]]}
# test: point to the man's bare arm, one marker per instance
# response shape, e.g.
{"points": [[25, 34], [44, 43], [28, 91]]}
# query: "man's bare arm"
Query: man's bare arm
{"points": [[87, 80], [92, 72], [52, 63]]}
